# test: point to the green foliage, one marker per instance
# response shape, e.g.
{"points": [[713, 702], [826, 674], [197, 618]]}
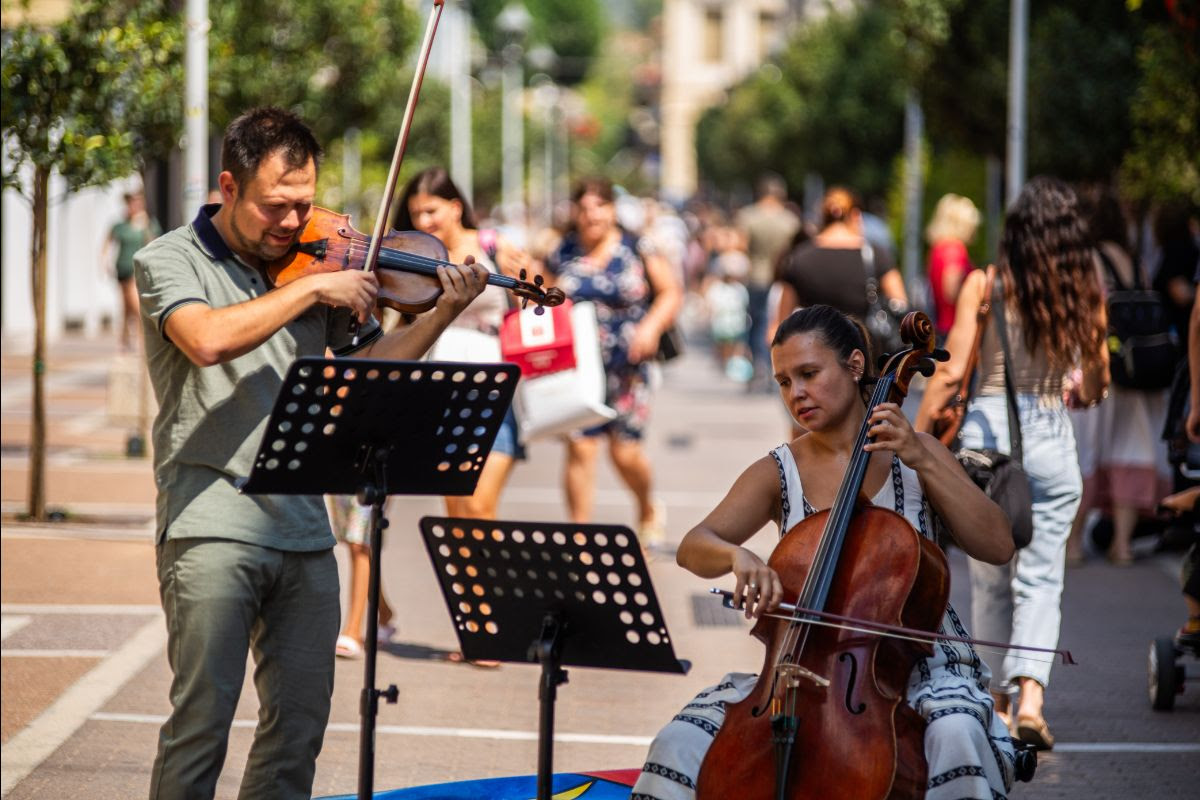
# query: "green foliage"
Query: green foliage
{"points": [[93, 97], [1163, 163], [573, 29], [337, 64], [1082, 73], [963, 82], [833, 106]]}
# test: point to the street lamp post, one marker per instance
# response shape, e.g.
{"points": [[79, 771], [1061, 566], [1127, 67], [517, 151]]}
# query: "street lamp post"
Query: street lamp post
{"points": [[546, 99], [513, 22]]}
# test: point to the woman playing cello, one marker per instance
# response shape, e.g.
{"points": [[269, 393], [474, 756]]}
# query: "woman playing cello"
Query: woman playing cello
{"points": [[819, 359]]}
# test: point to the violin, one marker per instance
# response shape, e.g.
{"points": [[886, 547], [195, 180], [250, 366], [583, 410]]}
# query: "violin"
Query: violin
{"points": [[406, 266], [828, 717]]}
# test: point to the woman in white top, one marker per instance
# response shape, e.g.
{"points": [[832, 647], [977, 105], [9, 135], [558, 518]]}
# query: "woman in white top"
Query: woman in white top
{"points": [[820, 363], [432, 204]]}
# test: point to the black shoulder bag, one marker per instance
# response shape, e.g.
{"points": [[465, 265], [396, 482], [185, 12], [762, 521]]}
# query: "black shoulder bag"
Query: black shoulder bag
{"points": [[1000, 476]]}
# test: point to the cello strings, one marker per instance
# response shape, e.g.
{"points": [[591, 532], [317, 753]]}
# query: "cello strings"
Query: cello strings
{"points": [[840, 515], [918, 639]]}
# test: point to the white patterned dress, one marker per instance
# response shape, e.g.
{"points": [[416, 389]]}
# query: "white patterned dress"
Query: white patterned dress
{"points": [[967, 747]]}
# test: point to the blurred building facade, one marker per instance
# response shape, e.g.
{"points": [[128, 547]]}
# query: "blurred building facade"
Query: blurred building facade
{"points": [[707, 47]]}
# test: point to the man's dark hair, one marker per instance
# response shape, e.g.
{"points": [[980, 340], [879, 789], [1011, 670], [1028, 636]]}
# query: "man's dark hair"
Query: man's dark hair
{"points": [[256, 134]]}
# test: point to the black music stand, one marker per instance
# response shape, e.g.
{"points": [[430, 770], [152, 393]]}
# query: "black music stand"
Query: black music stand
{"points": [[551, 593], [376, 428]]}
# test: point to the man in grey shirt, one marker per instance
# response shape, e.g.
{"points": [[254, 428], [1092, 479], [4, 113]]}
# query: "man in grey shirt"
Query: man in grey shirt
{"points": [[767, 227], [241, 573]]}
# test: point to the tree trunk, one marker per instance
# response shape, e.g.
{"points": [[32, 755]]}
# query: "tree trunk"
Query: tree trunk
{"points": [[37, 438]]}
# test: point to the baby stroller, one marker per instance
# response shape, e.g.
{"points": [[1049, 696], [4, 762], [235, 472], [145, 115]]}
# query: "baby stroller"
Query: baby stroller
{"points": [[1167, 672]]}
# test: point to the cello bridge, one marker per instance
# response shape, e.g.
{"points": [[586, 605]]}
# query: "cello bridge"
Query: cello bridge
{"points": [[793, 673]]}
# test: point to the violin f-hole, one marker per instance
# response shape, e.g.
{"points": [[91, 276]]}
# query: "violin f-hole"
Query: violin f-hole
{"points": [[851, 683]]}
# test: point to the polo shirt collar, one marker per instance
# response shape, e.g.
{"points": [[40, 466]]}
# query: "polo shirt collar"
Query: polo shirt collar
{"points": [[207, 233]]}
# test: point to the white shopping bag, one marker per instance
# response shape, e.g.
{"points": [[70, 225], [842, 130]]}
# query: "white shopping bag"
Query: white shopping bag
{"points": [[570, 399]]}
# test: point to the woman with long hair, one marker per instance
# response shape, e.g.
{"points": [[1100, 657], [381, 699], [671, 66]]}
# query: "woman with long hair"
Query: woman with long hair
{"points": [[1122, 455], [637, 296], [1055, 320], [820, 363], [432, 203]]}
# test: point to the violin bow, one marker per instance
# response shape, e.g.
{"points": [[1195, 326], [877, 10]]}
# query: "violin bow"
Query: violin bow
{"points": [[389, 188], [830, 620]]}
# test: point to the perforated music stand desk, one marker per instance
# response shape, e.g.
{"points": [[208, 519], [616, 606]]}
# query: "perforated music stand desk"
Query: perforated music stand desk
{"points": [[552, 593], [374, 428]]}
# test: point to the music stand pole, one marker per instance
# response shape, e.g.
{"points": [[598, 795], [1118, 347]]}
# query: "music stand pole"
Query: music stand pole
{"points": [[547, 651], [373, 494]]}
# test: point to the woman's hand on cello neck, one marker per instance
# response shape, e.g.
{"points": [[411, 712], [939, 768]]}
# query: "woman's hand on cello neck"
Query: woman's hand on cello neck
{"points": [[891, 430]]}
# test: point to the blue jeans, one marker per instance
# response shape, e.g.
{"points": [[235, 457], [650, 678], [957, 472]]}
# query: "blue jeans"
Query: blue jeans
{"points": [[1019, 602], [757, 335]]}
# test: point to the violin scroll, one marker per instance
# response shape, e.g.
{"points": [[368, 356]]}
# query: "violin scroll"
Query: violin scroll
{"points": [[536, 292]]}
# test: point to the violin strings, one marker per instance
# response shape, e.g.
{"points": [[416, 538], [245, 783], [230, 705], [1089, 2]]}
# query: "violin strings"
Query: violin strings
{"points": [[426, 264]]}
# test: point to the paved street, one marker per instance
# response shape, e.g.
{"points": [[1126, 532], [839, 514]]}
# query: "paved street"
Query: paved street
{"points": [[85, 677]]}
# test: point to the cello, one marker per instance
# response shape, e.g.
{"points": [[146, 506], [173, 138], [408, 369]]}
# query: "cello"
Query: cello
{"points": [[827, 717]]}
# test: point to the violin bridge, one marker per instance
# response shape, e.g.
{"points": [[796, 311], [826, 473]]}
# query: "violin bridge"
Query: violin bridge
{"points": [[792, 673]]}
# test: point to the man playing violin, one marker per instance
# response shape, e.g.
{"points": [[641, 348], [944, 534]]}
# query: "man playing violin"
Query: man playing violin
{"points": [[820, 363], [241, 573]]}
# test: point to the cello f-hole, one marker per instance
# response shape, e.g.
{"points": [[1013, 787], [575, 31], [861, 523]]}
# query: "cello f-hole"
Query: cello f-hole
{"points": [[851, 683]]}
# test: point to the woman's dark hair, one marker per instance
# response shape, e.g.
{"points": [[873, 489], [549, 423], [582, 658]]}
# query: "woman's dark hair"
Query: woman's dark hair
{"points": [[601, 187], [1046, 254], [258, 133], [433, 181], [839, 332], [1102, 210]]}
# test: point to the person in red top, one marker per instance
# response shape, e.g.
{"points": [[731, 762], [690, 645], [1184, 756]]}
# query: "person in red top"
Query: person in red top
{"points": [[949, 232]]}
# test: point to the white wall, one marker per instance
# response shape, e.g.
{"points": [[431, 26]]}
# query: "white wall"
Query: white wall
{"points": [[79, 288]]}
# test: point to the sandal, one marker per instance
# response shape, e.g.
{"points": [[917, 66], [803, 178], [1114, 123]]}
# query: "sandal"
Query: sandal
{"points": [[1034, 731], [348, 647], [456, 657], [385, 632]]}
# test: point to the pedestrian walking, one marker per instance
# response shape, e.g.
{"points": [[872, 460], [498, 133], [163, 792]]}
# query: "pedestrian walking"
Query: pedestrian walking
{"points": [[241, 573], [1049, 293], [136, 230], [599, 262], [432, 203], [955, 220], [1122, 456], [834, 266], [766, 226]]}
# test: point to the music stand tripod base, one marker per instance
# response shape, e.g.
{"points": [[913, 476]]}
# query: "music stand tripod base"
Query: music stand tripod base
{"points": [[374, 428], [552, 593]]}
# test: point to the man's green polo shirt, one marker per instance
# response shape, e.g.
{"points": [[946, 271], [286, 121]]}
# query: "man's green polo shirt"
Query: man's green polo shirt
{"points": [[211, 419]]}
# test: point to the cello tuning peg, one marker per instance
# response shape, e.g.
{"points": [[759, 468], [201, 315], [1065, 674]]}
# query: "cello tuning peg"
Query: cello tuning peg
{"points": [[926, 367], [941, 354]]}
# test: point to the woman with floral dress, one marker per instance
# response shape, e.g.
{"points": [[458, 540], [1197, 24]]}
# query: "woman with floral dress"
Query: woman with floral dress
{"points": [[636, 297]]}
